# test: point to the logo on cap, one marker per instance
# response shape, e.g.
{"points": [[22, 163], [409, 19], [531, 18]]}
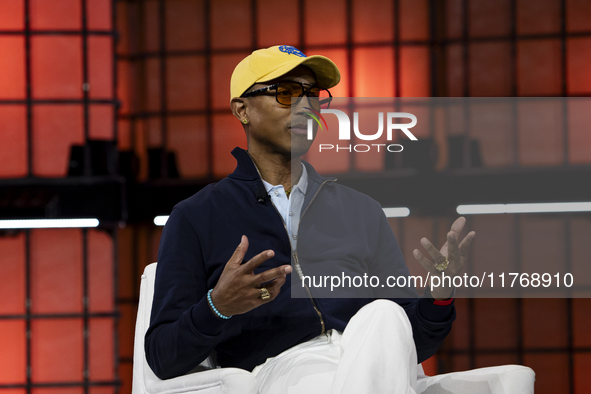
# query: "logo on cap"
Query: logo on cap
{"points": [[291, 50]]}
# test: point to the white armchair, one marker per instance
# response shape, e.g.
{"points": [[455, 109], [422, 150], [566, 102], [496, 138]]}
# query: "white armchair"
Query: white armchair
{"points": [[207, 379], [210, 380]]}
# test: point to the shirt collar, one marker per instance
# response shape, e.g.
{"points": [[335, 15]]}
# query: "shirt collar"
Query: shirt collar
{"points": [[302, 184]]}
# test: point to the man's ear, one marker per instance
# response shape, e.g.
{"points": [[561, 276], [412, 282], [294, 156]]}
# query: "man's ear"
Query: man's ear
{"points": [[238, 107]]}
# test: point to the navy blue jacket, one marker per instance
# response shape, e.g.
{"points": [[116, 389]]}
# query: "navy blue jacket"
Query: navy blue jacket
{"points": [[203, 231]]}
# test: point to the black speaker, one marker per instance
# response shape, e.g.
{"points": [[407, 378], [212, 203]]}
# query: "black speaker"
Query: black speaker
{"points": [[102, 156], [457, 156], [162, 164], [129, 164], [420, 155]]}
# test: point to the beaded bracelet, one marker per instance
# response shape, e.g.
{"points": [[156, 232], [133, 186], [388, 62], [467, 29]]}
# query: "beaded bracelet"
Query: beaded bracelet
{"points": [[214, 308]]}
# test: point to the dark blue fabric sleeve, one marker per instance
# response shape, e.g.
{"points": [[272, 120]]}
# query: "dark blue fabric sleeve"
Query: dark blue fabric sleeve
{"points": [[183, 329]]}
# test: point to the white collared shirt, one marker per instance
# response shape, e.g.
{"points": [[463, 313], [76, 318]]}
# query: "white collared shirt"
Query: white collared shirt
{"points": [[290, 208]]}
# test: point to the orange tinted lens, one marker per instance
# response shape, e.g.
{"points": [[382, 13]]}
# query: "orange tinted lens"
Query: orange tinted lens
{"points": [[287, 90]]}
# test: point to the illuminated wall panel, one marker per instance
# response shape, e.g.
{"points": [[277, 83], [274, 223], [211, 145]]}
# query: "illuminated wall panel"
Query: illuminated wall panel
{"points": [[56, 67], [226, 135], [550, 314], [101, 122], [373, 21], [185, 77], [153, 131], [101, 365], [99, 14], [453, 18], [13, 365], [151, 32], [580, 252], [414, 65], [326, 22], [12, 15], [56, 127], [582, 366], [278, 23], [539, 68], [578, 60], [579, 119], [127, 78], [56, 268], [496, 137], [56, 284], [538, 17], [185, 25], [152, 94], [55, 15], [62, 272], [456, 72], [540, 134], [492, 231], [543, 244], [459, 337], [229, 27], [490, 69], [487, 18], [125, 135], [369, 81], [578, 14], [126, 327], [414, 25], [100, 270], [186, 137], [13, 141], [57, 338], [12, 64], [100, 58], [61, 390], [12, 280], [495, 323], [551, 371]]}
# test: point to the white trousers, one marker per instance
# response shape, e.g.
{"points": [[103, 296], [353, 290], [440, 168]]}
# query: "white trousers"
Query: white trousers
{"points": [[376, 354]]}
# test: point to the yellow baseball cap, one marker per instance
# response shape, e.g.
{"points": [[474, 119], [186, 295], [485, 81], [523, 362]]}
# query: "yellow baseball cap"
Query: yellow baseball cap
{"points": [[266, 64]]}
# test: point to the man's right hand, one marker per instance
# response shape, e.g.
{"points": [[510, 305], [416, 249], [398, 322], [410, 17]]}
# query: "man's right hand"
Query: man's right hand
{"points": [[238, 290]]}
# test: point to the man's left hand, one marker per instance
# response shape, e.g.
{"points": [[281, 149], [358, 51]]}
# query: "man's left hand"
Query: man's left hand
{"points": [[455, 254]]}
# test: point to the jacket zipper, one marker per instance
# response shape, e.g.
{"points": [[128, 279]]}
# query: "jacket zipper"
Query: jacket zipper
{"points": [[295, 254]]}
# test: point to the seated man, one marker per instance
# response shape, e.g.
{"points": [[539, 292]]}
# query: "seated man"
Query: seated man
{"points": [[226, 254]]}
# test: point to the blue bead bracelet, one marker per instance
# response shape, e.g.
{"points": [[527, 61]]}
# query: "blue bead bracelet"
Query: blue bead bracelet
{"points": [[214, 308]]}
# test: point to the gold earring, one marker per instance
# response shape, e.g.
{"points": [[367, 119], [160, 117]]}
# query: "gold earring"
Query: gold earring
{"points": [[244, 121]]}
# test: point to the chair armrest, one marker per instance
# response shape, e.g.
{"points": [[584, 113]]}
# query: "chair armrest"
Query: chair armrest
{"points": [[221, 380], [506, 379]]}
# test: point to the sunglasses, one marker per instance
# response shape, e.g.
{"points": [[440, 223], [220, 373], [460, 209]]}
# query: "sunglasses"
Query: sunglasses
{"points": [[285, 91]]}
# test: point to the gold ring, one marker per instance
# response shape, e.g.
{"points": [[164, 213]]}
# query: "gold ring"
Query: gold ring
{"points": [[443, 265], [265, 295]]}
